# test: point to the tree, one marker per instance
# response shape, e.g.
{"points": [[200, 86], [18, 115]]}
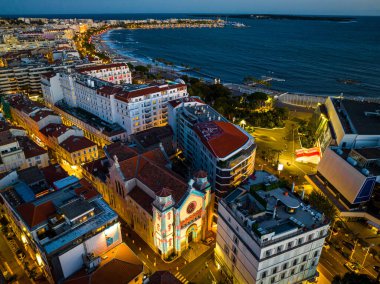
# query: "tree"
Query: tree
{"points": [[320, 201], [352, 278]]}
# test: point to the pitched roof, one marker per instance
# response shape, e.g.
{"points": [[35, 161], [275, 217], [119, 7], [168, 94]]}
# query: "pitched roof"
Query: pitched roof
{"points": [[121, 266], [221, 138], [30, 148], [150, 169], [127, 95], [163, 277], [36, 214], [41, 114], [122, 151], [54, 130], [76, 143], [101, 67], [142, 198], [54, 173]]}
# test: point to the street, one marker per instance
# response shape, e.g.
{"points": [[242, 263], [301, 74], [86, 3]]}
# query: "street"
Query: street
{"points": [[9, 261]]}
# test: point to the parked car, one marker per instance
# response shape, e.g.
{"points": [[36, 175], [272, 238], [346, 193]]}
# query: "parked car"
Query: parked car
{"points": [[348, 245], [20, 254], [352, 267], [326, 246]]}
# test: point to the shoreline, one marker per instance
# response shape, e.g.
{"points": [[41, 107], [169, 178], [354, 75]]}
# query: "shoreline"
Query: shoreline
{"points": [[101, 43]]}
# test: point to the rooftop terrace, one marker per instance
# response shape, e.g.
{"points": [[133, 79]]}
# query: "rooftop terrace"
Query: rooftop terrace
{"points": [[269, 216]]}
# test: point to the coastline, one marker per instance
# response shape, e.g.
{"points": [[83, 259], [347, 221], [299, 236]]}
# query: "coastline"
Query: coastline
{"points": [[103, 43]]}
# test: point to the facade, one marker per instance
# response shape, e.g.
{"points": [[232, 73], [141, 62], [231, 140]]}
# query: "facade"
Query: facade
{"points": [[117, 73], [349, 178], [64, 228], [17, 151], [268, 237], [51, 88], [210, 143], [78, 150], [164, 210], [134, 107], [352, 124]]}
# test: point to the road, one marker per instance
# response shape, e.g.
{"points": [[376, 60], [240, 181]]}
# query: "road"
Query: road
{"points": [[280, 145], [8, 259]]}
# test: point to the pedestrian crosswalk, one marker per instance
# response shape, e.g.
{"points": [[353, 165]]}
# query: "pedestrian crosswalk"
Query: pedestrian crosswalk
{"points": [[181, 278]]}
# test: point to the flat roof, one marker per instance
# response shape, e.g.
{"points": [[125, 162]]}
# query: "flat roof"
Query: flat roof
{"points": [[360, 122], [109, 129]]}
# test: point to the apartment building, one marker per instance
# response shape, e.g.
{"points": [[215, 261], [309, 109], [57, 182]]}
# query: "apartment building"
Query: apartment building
{"points": [[66, 228], [210, 143], [117, 73], [78, 150], [268, 236]]}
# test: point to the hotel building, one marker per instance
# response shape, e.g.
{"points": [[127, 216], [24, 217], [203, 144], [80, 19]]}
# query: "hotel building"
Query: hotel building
{"points": [[268, 236], [134, 107], [117, 73], [210, 143]]}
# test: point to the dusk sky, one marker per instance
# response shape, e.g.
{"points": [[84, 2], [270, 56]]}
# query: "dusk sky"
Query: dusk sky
{"points": [[331, 7]]}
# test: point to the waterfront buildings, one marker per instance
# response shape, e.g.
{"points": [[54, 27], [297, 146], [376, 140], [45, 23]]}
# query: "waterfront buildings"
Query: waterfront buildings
{"points": [[64, 224], [352, 123], [210, 143], [268, 236], [134, 107], [349, 178], [161, 207], [117, 73]]}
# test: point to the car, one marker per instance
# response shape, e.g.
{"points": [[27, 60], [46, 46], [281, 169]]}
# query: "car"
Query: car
{"points": [[326, 246], [334, 232], [352, 267], [209, 240], [348, 245], [376, 268]]}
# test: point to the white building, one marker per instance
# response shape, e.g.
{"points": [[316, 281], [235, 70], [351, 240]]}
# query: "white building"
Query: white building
{"points": [[134, 107], [117, 73], [211, 143], [353, 124], [348, 178], [268, 237], [51, 88]]}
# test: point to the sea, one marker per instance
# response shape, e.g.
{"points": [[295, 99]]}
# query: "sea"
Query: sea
{"points": [[302, 56], [307, 57]]}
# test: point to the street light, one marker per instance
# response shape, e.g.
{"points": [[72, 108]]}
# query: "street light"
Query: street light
{"points": [[365, 257]]}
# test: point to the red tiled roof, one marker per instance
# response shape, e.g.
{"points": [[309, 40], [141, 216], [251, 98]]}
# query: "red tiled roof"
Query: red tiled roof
{"points": [[76, 143], [109, 90], [127, 95], [221, 138], [86, 190], [151, 171], [177, 102], [30, 148], [122, 151], [48, 75], [36, 214], [54, 130], [53, 173], [142, 198], [163, 277], [121, 266], [100, 67], [41, 114]]}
